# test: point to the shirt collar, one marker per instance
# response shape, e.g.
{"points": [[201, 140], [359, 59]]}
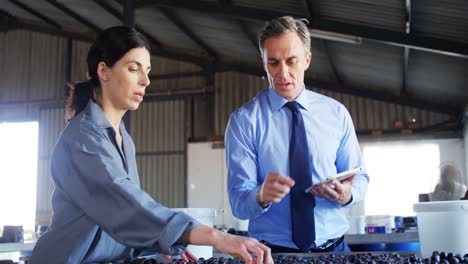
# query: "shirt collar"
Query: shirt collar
{"points": [[277, 102], [97, 115]]}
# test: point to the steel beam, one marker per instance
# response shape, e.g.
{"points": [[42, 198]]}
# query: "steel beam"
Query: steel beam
{"points": [[27, 25], [242, 24], [250, 36], [311, 8], [222, 66], [73, 14], [406, 51], [389, 37], [111, 10], [174, 18], [37, 14], [16, 23]]}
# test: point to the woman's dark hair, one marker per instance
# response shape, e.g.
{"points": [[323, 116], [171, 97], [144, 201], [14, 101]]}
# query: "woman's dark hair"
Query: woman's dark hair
{"points": [[110, 45]]}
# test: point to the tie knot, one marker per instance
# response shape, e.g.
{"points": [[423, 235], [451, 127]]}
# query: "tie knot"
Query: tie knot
{"points": [[293, 106]]}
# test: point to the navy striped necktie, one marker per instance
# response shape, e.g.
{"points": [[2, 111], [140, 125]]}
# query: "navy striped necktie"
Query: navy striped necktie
{"points": [[302, 204]]}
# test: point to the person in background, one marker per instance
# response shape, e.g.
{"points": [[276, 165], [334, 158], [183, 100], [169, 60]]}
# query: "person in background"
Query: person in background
{"points": [[100, 213], [284, 140]]}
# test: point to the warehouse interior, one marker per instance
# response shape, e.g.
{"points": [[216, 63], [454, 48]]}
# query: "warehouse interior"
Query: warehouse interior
{"points": [[399, 67]]}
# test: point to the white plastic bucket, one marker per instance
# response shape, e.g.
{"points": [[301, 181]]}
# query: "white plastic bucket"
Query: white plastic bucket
{"points": [[442, 226], [205, 216], [379, 223]]}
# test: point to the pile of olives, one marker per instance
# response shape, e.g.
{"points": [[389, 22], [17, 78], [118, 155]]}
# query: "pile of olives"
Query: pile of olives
{"points": [[351, 258]]}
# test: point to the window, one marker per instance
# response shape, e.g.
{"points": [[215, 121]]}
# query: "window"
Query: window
{"points": [[18, 173], [399, 172]]}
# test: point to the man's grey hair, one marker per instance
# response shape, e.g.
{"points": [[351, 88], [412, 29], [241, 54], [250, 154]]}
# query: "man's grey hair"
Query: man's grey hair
{"points": [[283, 25]]}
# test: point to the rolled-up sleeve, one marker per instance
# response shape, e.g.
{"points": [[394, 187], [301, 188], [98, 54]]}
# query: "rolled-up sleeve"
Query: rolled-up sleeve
{"points": [[93, 175], [242, 165]]}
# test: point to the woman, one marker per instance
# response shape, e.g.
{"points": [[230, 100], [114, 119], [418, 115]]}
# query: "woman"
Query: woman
{"points": [[99, 211]]}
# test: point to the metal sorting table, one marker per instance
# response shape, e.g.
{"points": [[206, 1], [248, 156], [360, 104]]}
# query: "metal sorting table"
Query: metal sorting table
{"points": [[382, 238], [16, 250]]}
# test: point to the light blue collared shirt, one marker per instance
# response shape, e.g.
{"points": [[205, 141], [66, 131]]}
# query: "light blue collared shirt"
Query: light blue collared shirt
{"points": [[257, 143], [99, 210]]}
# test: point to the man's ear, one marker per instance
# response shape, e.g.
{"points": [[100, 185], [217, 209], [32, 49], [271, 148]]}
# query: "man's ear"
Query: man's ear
{"points": [[103, 71], [264, 63], [308, 59]]}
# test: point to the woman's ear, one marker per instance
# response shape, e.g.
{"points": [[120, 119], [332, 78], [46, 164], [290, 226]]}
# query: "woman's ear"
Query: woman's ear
{"points": [[103, 71]]}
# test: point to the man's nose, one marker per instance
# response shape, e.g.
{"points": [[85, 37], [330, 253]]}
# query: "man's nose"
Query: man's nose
{"points": [[283, 70]]}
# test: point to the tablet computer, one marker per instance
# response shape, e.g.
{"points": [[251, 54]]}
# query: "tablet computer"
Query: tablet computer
{"points": [[339, 177]]}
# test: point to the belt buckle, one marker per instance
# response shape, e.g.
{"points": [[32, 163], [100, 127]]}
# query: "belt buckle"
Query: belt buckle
{"points": [[327, 245]]}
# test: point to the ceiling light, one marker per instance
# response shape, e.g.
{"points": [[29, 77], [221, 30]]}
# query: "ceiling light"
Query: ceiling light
{"points": [[315, 33]]}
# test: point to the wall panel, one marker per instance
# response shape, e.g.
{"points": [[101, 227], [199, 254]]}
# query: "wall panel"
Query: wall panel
{"points": [[33, 66], [51, 123], [233, 90], [158, 130]]}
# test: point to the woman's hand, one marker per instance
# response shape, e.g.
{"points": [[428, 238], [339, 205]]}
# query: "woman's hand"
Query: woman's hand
{"points": [[245, 248]]}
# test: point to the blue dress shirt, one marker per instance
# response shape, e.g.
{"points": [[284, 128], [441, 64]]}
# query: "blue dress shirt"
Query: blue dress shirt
{"points": [[99, 210], [257, 143]]}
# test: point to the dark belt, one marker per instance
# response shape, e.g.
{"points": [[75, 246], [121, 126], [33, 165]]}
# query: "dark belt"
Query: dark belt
{"points": [[329, 246]]}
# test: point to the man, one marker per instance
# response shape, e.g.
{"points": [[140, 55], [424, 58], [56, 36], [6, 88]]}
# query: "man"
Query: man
{"points": [[283, 141]]}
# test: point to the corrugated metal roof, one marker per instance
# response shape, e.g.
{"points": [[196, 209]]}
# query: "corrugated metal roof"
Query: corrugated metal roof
{"points": [[224, 36], [50, 11], [256, 26], [437, 77], [385, 14], [93, 13], [375, 65], [160, 27], [17, 11], [369, 65], [321, 63], [441, 18], [288, 7]]}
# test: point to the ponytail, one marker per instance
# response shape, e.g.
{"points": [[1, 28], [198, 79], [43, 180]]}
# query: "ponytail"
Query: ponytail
{"points": [[79, 95]]}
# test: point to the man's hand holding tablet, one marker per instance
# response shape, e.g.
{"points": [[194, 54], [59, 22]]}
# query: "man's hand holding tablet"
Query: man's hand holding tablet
{"points": [[339, 177], [336, 188]]}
